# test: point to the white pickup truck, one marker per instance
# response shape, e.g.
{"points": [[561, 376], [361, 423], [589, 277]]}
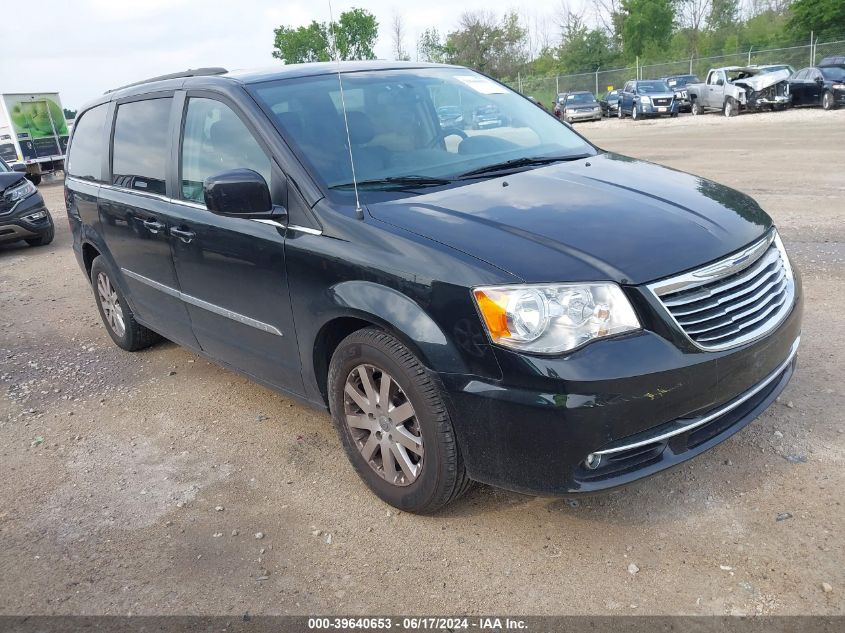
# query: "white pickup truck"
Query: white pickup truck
{"points": [[735, 88]]}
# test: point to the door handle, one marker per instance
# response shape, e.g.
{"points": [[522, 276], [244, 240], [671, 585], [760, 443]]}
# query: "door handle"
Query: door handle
{"points": [[185, 236], [153, 225]]}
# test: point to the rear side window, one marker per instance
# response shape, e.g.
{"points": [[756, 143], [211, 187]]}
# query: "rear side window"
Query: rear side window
{"points": [[216, 140], [141, 147], [86, 151]]}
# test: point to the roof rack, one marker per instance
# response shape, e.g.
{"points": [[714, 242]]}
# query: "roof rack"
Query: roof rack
{"points": [[191, 72]]}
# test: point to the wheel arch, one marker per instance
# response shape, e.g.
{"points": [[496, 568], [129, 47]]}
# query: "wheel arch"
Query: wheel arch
{"points": [[360, 304]]}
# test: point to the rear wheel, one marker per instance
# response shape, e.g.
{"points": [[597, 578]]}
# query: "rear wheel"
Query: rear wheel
{"points": [[116, 314], [35, 179], [827, 100], [392, 420]]}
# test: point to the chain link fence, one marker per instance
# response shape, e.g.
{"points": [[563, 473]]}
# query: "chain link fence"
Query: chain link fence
{"points": [[601, 81]]}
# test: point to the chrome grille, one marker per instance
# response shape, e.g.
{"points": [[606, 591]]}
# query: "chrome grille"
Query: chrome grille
{"points": [[734, 300], [662, 102]]}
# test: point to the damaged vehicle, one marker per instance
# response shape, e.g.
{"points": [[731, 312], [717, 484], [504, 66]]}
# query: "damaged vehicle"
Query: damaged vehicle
{"points": [[736, 88]]}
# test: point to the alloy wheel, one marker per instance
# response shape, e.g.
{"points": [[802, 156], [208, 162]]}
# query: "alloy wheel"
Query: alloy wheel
{"points": [[827, 101], [111, 305], [383, 424]]}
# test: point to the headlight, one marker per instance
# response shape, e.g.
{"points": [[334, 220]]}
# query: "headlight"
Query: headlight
{"points": [[838, 86], [645, 99], [553, 318], [20, 191]]}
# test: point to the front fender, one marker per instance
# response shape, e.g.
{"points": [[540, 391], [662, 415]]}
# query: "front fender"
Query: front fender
{"points": [[398, 312]]}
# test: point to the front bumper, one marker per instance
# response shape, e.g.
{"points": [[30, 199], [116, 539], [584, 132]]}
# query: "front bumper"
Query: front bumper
{"points": [[582, 115], [641, 401], [649, 109], [14, 225]]}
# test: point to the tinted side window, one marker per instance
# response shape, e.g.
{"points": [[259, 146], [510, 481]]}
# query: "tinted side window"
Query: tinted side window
{"points": [[86, 150], [139, 155], [216, 140]]}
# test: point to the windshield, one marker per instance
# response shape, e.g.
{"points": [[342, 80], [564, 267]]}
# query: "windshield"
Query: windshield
{"points": [[394, 127], [683, 80], [833, 73], [580, 97], [4, 166], [648, 87]]}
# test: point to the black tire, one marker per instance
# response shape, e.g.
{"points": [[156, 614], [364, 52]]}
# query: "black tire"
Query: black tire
{"points": [[135, 336], [696, 108], [46, 237], [35, 179], [442, 477], [827, 100], [730, 108], [674, 115], [634, 115], [619, 113]]}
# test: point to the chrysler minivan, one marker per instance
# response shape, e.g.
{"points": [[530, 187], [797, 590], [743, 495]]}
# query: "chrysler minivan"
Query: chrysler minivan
{"points": [[511, 304]]}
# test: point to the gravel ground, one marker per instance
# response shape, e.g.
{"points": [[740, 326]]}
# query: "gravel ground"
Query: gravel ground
{"points": [[158, 483]]}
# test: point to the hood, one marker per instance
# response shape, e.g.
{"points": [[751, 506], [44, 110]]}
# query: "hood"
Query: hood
{"points": [[764, 80], [9, 178], [604, 218]]}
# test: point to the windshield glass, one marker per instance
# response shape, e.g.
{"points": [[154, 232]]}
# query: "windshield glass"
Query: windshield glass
{"points": [[833, 73], [683, 80], [647, 87], [394, 126], [580, 97]]}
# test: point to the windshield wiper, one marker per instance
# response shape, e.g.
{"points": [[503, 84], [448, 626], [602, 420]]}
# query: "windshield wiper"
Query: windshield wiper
{"points": [[395, 182], [515, 163]]}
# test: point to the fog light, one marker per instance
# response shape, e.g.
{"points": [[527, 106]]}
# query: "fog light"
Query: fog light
{"points": [[32, 217], [592, 462]]}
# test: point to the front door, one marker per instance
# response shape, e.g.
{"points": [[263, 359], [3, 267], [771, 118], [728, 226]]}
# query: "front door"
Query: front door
{"points": [[232, 270], [136, 215], [715, 89]]}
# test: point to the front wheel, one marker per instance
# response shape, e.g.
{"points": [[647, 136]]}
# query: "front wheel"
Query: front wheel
{"points": [[731, 108], [696, 108], [827, 100], [619, 113], [390, 414], [634, 114]]}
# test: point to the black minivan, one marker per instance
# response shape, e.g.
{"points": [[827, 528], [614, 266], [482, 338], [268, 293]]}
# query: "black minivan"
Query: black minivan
{"points": [[510, 305]]}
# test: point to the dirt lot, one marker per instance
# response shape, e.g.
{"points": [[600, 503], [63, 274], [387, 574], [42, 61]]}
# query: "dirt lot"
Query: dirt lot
{"points": [[137, 483]]}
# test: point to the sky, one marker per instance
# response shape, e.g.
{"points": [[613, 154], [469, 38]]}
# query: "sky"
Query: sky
{"points": [[81, 48]]}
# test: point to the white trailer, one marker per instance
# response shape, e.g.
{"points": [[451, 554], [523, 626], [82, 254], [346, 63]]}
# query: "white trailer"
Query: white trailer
{"points": [[33, 132]]}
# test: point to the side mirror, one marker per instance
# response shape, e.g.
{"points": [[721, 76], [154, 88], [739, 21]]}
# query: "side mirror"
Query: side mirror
{"points": [[240, 193], [19, 167]]}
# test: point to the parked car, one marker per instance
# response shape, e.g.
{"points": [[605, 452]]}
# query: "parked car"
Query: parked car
{"points": [[486, 116], [735, 88], [23, 214], [520, 308], [835, 60], [580, 106], [678, 83], [450, 116], [818, 85], [647, 98], [609, 103]]}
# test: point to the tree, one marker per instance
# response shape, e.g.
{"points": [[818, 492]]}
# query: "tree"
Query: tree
{"points": [[486, 44], [430, 47], [823, 17], [303, 44], [397, 32], [646, 26], [355, 33], [692, 16]]}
